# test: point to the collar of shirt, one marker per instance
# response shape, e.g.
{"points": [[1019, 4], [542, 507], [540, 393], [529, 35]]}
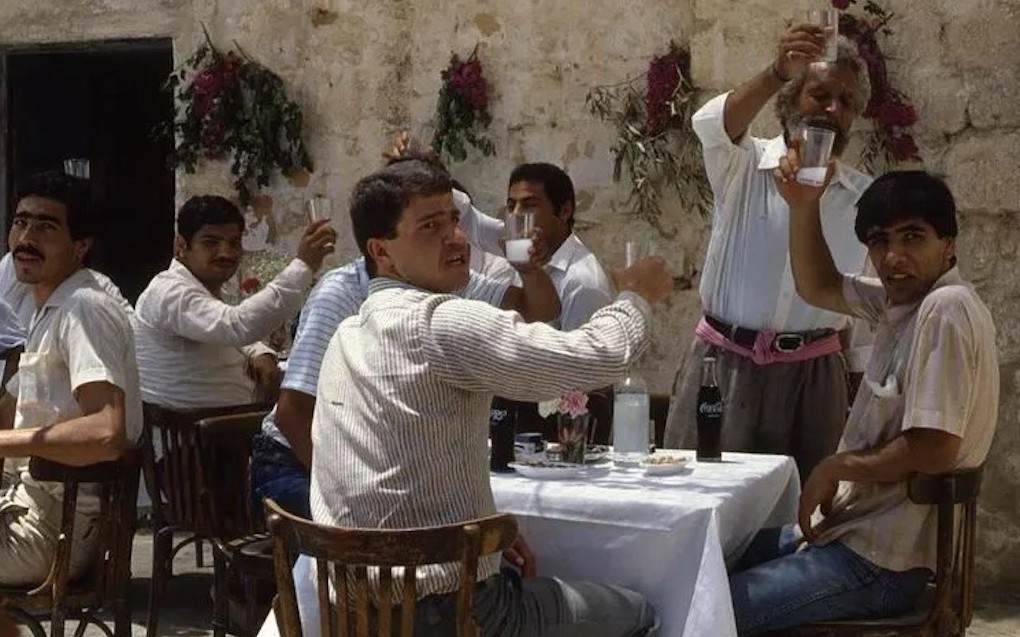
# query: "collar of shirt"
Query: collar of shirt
{"points": [[566, 254], [182, 272], [896, 314], [776, 148], [362, 270], [80, 278]]}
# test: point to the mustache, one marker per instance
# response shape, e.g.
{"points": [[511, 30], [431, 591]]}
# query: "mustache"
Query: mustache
{"points": [[225, 262], [28, 250]]}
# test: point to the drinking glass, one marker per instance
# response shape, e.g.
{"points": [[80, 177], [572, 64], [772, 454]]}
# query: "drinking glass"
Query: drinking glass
{"points": [[319, 208], [519, 228], [814, 155], [828, 19], [635, 249]]}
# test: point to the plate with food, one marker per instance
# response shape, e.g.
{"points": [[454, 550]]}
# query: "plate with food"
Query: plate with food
{"points": [[546, 469], [664, 463]]}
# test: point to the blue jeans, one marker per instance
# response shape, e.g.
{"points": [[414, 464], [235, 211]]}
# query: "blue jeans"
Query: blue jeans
{"points": [[278, 474], [774, 586], [507, 605]]}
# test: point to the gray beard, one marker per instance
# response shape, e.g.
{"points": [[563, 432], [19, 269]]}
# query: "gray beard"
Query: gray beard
{"points": [[794, 123]]}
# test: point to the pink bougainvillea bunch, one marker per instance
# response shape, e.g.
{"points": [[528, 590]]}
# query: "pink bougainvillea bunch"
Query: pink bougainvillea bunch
{"points": [[462, 113], [665, 72], [890, 109]]}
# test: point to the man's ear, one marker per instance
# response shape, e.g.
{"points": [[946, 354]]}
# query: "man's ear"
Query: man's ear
{"points": [[180, 245], [380, 255], [566, 214], [950, 250], [81, 248]]}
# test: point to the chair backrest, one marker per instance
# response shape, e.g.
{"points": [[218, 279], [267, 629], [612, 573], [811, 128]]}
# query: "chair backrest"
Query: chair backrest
{"points": [[224, 477], [341, 554], [170, 463], [11, 359], [118, 485], [954, 572]]}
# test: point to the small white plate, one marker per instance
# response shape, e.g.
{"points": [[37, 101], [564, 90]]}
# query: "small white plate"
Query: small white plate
{"points": [[547, 470], [675, 464]]}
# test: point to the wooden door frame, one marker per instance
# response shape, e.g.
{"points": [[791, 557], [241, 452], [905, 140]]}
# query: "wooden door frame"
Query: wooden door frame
{"points": [[8, 51]]}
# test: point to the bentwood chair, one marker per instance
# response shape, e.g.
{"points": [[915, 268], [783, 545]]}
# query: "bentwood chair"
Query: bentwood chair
{"points": [[105, 585], [344, 559], [949, 605], [171, 453], [242, 551]]}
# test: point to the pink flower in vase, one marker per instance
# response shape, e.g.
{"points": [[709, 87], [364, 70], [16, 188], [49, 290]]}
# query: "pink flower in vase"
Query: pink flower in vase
{"points": [[574, 403]]}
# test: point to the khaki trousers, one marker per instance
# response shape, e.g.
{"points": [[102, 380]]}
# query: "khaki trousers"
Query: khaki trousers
{"points": [[794, 409], [29, 526]]}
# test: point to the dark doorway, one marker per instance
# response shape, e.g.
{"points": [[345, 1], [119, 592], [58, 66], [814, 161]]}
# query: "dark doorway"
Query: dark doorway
{"points": [[98, 101]]}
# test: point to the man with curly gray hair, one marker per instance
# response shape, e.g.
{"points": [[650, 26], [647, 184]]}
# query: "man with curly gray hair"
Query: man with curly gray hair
{"points": [[780, 362]]}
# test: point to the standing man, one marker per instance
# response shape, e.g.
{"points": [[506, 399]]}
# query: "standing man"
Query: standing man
{"points": [[76, 398], [928, 404], [406, 384], [195, 350], [780, 364]]}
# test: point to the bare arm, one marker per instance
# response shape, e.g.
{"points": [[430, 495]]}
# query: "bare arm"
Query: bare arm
{"points": [[537, 300], [916, 450], [798, 46], [294, 413], [97, 436]]}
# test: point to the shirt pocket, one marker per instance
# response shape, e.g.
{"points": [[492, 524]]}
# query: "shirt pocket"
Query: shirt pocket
{"points": [[36, 406]]}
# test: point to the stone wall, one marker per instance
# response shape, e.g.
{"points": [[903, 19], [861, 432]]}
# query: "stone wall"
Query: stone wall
{"points": [[362, 70]]}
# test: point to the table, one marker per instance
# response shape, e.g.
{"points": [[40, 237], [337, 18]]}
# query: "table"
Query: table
{"points": [[668, 537]]}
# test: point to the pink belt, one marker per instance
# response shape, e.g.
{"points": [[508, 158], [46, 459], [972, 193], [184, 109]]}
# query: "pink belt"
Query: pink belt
{"points": [[763, 352]]}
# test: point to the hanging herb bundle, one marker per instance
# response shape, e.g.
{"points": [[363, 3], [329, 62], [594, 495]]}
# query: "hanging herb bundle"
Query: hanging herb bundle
{"points": [[655, 142], [889, 109], [227, 104], [462, 113]]}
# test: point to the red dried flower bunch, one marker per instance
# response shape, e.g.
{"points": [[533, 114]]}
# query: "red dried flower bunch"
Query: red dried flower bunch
{"points": [[890, 109], [665, 72], [215, 88], [463, 109]]}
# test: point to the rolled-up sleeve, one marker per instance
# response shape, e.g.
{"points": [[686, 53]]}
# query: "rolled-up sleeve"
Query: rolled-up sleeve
{"points": [[718, 149]]}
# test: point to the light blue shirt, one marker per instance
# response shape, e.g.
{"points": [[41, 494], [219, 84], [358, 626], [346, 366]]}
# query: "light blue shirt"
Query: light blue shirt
{"points": [[338, 295]]}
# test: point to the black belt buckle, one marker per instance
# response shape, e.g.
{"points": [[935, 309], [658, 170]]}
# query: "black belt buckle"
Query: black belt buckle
{"points": [[789, 343]]}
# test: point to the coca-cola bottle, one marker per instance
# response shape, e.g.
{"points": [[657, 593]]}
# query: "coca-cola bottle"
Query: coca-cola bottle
{"points": [[710, 413], [502, 427]]}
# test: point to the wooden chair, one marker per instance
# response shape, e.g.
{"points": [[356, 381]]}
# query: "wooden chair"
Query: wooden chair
{"points": [[242, 551], [949, 607], [106, 584], [174, 488], [337, 551], [11, 358]]}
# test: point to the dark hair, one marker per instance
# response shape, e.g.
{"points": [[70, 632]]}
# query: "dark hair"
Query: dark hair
{"points": [[902, 195], [206, 210], [556, 183], [72, 192], [379, 199]]}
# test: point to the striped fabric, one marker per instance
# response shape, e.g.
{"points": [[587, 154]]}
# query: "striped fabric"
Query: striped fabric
{"points": [[337, 296], [933, 367], [401, 420]]}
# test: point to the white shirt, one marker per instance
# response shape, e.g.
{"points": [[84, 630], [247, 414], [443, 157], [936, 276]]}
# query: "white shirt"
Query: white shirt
{"points": [[19, 295], [81, 335], [190, 343], [747, 280], [401, 416], [575, 271]]}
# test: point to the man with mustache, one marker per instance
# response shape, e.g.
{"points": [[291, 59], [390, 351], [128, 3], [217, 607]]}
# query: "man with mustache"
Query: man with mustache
{"points": [[780, 364], [75, 399], [196, 350]]}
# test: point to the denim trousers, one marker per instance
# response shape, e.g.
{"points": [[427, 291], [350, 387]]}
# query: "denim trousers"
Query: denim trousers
{"points": [[278, 474], [507, 605], [776, 586]]}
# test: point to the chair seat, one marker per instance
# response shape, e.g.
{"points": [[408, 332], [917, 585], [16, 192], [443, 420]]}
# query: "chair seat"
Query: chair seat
{"points": [[253, 554], [914, 618]]}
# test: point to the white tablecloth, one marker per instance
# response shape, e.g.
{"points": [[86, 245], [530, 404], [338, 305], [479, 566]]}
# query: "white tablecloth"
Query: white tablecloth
{"points": [[667, 537]]}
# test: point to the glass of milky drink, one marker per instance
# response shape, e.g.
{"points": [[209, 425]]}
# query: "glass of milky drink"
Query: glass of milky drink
{"points": [[520, 225], [814, 155], [828, 19]]}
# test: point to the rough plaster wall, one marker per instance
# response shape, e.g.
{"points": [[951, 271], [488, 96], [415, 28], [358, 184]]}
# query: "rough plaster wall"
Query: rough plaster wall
{"points": [[365, 69]]}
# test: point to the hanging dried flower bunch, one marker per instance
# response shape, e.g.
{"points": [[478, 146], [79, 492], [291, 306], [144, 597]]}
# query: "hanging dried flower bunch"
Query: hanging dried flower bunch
{"points": [[655, 143], [462, 113], [230, 105]]}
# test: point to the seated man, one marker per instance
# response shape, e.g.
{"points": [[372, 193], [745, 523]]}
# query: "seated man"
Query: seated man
{"points": [[282, 455], [196, 350], [928, 404], [75, 398], [401, 415]]}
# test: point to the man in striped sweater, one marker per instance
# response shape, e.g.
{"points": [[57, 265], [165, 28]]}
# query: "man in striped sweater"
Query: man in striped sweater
{"points": [[401, 416]]}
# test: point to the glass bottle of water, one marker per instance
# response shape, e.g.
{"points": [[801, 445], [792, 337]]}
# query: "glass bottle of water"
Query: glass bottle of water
{"points": [[630, 419]]}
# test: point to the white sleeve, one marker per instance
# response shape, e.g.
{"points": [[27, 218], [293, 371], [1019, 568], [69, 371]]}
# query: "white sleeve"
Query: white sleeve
{"points": [[483, 231]]}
